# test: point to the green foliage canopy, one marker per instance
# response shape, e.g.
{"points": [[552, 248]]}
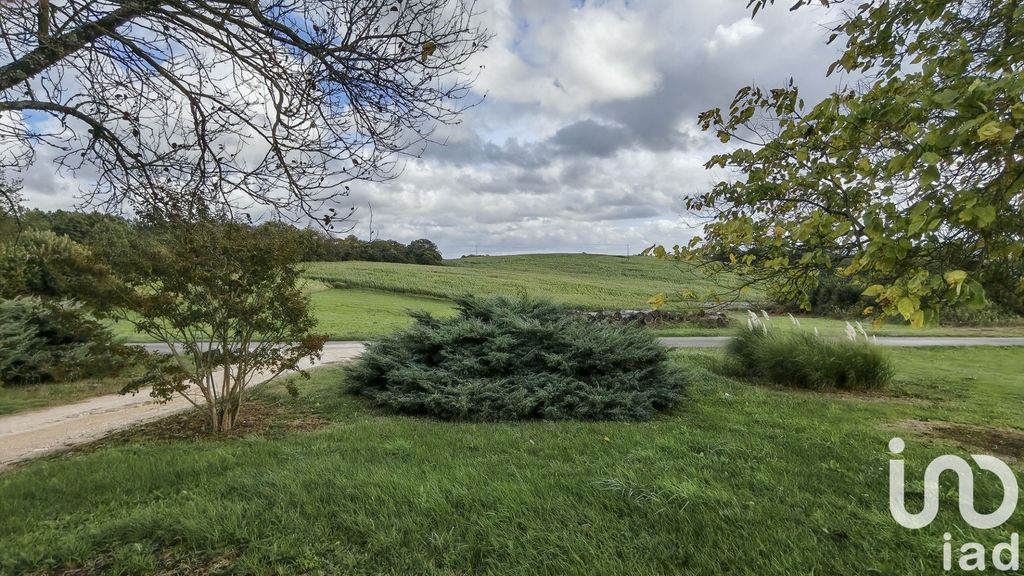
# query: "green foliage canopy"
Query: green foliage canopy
{"points": [[910, 181], [41, 263]]}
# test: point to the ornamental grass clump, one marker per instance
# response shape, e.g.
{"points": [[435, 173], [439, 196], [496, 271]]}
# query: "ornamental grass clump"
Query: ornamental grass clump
{"points": [[792, 357], [515, 359]]}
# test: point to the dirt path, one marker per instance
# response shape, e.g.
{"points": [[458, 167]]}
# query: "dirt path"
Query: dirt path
{"points": [[30, 434]]}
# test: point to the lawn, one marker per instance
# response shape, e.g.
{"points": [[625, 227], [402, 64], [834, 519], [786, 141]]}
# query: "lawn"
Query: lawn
{"points": [[19, 398], [835, 327], [347, 314], [739, 479], [366, 314]]}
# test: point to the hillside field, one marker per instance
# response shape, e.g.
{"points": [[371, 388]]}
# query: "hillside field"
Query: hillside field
{"points": [[360, 300], [584, 281], [363, 300]]}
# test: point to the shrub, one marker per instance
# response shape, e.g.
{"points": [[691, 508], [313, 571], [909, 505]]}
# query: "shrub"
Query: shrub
{"points": [[41, 263], [993, 314], [514, 359], [806, 360], [53, 342], [836, 296]]}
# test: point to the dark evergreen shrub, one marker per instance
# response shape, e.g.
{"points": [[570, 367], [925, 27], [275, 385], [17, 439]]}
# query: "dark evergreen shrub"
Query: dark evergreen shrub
{"points": [[804, 360], [836, 296], [514, 359], [53, 342]]}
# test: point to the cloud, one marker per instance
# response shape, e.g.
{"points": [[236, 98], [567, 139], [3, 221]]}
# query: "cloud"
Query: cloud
{"points": [[566, 58], [590, 138], [587, 139], [734, 34]]}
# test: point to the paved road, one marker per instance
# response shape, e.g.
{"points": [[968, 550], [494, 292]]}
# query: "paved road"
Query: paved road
{"points": [[896, 341], [720, 341]]}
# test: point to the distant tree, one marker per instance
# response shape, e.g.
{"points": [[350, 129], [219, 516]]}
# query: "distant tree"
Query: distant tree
{"points": [[176, 104], [226, 299], [43, 264], [10, 199], [385, 251], [424, 251], [910, 182], [82, 227], [348, 248]]}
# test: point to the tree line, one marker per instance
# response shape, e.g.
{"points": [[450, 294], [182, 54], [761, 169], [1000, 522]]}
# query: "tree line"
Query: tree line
{"points": [[315, 245]]}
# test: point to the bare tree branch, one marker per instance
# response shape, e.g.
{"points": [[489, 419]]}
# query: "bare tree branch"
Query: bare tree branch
{"points": [[233, 104]]}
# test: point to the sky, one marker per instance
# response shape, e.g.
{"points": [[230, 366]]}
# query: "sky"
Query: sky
{"points": [[587, 137]]}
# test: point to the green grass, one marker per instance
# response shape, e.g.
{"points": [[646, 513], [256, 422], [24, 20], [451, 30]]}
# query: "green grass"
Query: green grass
{"points": [[592, 282], [346, 314], [366, 314], [30, 397], [740, 479], [834, 327], [371, 298]]}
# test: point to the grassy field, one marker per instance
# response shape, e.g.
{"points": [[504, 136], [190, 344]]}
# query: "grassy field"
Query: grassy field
{"points": [[834, 327], [363, 300], [739, 479], [590, 282], [584, 281], [365, 314]]}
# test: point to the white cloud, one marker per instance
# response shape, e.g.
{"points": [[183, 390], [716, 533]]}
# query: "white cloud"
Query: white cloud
{"points": [[568, 58], [734, 34], [624, 82]]}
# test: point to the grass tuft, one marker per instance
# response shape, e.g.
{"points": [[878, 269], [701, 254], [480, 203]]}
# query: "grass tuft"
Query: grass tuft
{"points": [[806, 360]]}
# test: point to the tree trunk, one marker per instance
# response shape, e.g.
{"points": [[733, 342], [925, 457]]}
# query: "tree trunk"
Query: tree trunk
{"points": [[227, 413]]}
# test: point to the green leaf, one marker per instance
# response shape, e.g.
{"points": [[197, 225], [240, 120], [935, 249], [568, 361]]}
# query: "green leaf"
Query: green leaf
{"points": [[985, 215], [928, 176], [917, 319]]}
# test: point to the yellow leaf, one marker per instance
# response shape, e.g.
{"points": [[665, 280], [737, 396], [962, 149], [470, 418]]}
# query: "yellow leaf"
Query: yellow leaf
{"points": [[955, 278], [917, 320], [906, 307], [990, 130], [873, 290], [657, 301]]}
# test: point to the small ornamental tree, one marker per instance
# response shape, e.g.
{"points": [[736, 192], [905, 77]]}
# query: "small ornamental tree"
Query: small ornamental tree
{"points": [[225, 298]]}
